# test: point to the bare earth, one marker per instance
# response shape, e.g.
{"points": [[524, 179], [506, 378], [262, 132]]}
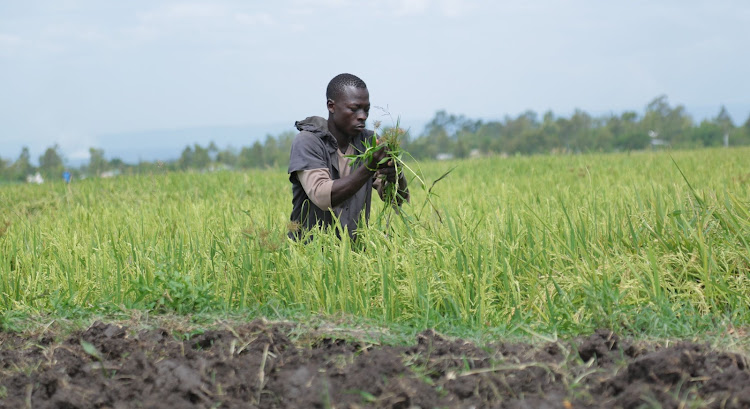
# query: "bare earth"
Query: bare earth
{"points": [[257, 365]]}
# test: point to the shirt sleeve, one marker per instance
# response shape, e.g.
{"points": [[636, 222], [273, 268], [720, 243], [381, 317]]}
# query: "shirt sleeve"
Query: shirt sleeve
{"points": [[317, 183], [308, 152]]}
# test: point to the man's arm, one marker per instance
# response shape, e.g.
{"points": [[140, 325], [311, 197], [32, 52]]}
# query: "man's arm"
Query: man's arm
{"points": [[317, 185], [346, 187]]}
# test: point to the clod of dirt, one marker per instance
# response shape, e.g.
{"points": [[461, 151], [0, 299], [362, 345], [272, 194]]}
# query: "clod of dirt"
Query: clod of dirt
{"points": [[256, 365], [692, 371]]}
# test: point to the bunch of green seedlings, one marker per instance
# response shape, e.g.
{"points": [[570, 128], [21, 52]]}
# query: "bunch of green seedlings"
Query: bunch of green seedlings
{"points": [[390, 139]]}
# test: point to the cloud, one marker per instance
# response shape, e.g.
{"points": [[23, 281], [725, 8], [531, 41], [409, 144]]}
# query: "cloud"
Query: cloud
{"points": [[9, 44], [444, 8], [410, 7], [9, 40], [69, 33], [256, 19], [172, 18], [215, 20], [182, 12], [322, 3], [454, 8]]}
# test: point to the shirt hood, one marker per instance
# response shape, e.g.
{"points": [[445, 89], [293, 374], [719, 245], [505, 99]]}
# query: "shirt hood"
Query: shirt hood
{"points": [[314, 124]]}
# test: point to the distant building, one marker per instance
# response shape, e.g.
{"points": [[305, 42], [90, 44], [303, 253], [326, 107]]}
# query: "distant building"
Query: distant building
{"points": [[36, 178], [655, 141], [110, 173]]}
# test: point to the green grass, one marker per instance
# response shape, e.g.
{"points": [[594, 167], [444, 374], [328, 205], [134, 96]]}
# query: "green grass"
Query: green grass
{"points": [[551, 244]]}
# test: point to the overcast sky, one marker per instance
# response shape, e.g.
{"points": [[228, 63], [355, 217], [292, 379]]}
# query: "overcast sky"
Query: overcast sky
{"points": [[72, 71]]}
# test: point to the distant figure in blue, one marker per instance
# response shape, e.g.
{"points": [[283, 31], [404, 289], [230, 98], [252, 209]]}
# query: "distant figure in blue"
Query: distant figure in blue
{"points": [[67, 176]]}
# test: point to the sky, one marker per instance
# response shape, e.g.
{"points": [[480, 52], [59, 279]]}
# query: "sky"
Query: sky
{"points": [[95, 73]]}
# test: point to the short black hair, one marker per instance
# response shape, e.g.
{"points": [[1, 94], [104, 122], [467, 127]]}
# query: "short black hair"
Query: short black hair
{"points": [[341, 81]]}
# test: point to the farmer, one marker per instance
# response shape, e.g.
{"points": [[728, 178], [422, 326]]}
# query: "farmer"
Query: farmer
{"points": [[324, 185]]}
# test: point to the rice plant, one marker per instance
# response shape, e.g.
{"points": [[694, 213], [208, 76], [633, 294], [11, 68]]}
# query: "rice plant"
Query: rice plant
{"points": [[649, 242]]}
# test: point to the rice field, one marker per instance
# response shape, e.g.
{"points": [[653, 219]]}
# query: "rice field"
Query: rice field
{"points": [[654, 243]]}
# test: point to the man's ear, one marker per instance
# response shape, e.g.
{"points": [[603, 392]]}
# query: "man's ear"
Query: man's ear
{"points": [[330, 104]]}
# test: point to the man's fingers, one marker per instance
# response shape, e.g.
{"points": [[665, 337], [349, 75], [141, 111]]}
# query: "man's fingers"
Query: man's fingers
{"points": [[388, 173]]}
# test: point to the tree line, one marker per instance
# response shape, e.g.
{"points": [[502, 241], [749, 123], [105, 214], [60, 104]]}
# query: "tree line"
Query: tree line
{"points": [[661, 125], [445, 136], [272, 153]]}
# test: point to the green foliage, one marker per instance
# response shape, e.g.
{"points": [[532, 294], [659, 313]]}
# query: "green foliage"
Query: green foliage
{"points": [[91, 350], [390, 141], [97, 162], [51, 163], [660, 125], [445, 135], [18, 170], [172, 292], [634, 242]]}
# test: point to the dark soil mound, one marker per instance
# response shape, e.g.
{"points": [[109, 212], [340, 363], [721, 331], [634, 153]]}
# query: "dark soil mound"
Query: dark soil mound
{"points": [[256, 365]]}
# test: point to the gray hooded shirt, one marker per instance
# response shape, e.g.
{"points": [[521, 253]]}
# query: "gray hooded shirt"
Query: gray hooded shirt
{"points": [[315, 148]]}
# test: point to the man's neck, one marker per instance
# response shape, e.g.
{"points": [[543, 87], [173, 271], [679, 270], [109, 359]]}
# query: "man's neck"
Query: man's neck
{"points": [[342, 140]]}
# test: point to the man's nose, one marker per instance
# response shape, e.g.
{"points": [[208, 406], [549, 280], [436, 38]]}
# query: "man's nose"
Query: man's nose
{"points": [[362, 115]]}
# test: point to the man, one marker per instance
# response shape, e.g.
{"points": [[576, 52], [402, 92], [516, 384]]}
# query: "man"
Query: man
{"points": [[324, 185]]}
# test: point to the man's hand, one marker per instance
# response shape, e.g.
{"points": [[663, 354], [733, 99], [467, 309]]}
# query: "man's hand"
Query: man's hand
{"points": [[387, 172], [344, 188], [377, 157]]}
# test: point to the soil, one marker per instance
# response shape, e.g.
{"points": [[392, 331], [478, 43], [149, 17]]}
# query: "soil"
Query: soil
{"points": [[264, 365]]}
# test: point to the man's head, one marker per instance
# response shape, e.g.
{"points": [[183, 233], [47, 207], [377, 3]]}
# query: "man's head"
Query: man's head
{"points": [[348, 104], [340, 82]]}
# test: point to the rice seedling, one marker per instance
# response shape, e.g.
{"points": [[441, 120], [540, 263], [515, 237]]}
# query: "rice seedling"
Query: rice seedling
{"points": [[517, 244]]}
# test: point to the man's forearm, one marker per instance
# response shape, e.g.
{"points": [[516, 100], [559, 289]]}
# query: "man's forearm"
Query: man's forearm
{"points": [[346, 187]]}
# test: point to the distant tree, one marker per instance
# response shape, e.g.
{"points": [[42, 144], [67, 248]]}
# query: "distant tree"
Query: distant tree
{"points": [[283, 146], [257, 157], [201, 157], [5, 169], [251, 157], [227, 157], [673, 125], [51, 163], [269, 152], [490, 137], [117, 163], [97, 163], [724, 120], [708, 133], [550, 133], [213, 151], [186, 158], [627, 132], [741, 135], [22, 167]]}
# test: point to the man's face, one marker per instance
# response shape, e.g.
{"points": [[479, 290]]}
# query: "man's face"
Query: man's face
{"points": [[350, 110]]}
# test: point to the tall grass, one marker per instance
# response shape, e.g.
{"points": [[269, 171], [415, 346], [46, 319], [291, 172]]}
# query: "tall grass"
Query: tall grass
{"points": [[556, 243]]}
